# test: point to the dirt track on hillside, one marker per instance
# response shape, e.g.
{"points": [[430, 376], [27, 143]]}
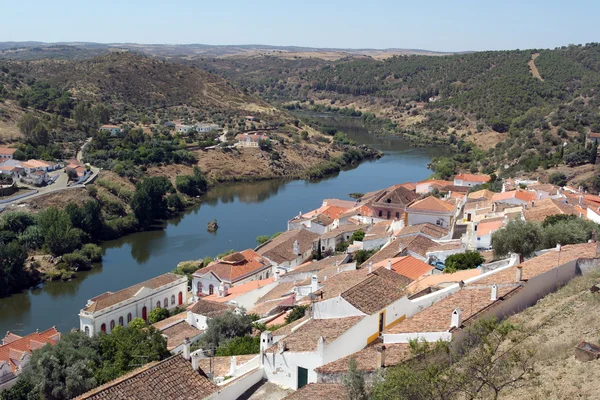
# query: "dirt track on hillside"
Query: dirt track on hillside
{"points": [[533, 68]]}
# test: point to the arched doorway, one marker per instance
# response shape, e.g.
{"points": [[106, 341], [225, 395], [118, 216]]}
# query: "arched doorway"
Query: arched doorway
{"points": [[144, 314], [180, 298], [103, 328]]}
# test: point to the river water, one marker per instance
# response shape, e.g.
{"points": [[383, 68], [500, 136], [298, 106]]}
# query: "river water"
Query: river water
{"points": [[243, 211]]}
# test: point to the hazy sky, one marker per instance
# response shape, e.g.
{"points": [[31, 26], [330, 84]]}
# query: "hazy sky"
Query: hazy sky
{"points": [[445, 25]]}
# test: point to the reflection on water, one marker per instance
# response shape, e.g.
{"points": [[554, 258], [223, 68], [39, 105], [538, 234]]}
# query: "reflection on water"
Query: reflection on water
{"points": [[243, 210]]}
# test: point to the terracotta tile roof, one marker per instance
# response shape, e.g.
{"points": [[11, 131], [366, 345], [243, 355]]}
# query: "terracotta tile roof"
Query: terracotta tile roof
{"points": [[322, 219], [172, 320], [442, 280], [451, 245], [283, 289], [514, 194], [239, 290], [407, 185], [318, 265], [177, 333], [481, 194], [398, 196], [547, 207], [281, 248], [366, 359], [110, 299], [544, 187], [272, 306], [407, 266], [334, 212], [379, 230], [473, 178], [236, 266], [418, 244], [378, 290], [339, 283], [360, 210], [172, 378], [479, 205], [210, 309], [437, 317], [304, 339], [7, 150], [221, 365], [488, 227], [432, 204], [320, 391], [456, 190], [429, 229], [543, 263], [435, 181], [346, 204], [15, 347], [287, 329]]}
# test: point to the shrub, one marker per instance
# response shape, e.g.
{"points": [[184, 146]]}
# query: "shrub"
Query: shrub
{"points": [[558, 179], [296, 313], [158, 314], [461, 261], [92, 251], [77, 261], [238, 346]]}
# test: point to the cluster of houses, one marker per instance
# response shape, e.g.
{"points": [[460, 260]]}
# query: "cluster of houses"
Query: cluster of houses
{"points": [[178, 126], [369, 312], [33, 172]]}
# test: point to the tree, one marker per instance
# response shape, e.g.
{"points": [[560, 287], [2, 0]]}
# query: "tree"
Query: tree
{"points": [[158, 314], [228, 326], [149, 202], [16, 221], [262, 239], [296, 313], [12, 271], [354, 382], [71, 174], [40, 135], [461, 261], [358, 235], [519, 237], [558, 179], [265, 145], [27, 124], [60, 235], [238, 346], [65, 370]]}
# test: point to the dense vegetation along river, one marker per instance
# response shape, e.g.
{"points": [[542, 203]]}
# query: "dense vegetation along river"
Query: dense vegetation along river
{"points": [[244, 211]]}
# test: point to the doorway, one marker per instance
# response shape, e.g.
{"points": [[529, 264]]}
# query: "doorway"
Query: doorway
{"points": [[302, 377]]}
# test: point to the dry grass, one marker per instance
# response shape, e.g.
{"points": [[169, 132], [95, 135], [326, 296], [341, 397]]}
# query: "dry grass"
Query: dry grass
{"points": [[11, 113], [568, 316]]}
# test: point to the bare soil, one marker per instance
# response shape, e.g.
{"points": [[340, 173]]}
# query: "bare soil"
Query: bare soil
{"points": [[533, 67]]}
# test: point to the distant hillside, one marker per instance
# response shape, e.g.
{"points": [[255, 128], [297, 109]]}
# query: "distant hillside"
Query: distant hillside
{"points": [[138, 80]]}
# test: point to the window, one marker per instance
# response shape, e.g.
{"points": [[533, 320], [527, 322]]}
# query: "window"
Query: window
{"points": [[121, 321], [112, 325], [158, 304], [145, 313], [166, 302], [128, 318], [103, 327], [173, 300], [199, 287], [381, 323], [397, 215], [211, 289], [267, 275], [389, 214], [380, 213]]}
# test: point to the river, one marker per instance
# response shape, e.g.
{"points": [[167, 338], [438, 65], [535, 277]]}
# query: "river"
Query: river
{"points": [[243, 211]]}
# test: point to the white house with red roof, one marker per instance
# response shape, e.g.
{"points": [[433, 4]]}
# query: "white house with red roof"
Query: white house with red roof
{"points": [[470, 179], [114, 130], [15, 352], [234, 269], [250, 139], [7, 153], [431, 210]]}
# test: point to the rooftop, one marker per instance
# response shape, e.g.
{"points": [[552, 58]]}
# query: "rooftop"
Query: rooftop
{"points": [[514, 194], [429, 229], [304, 339], [432, 204], [394, 196], [366, 359], [235, 266], [418, 244], [108, 299], [173, 378], [547, 207], [340, 230], [437, 317], [320, 391], [473, 178], [379, 289], [239, 290], [7, 150], [210, 309], [481, 194], [177, 333], [14, 347], [281, 248], [488, 227], [221, 365], [442, 280], [407, 266], [318, 265]]}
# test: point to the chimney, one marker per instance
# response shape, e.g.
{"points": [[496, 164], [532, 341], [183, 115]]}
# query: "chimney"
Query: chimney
{"points": [[494, 292], [195, 357], [380, 357], [532, 203], [190, 318], [223, 290], [276, 276], [389, 265], [186, 348], [296, 248], [519, 274], [232, 365], [266, 340], [580, 189], [400, 248], [370, 267], [280, 347], [314, 284], [325, 278], [558, 247], [593, 240], [580, 201], [321, 346], [456, 321]]}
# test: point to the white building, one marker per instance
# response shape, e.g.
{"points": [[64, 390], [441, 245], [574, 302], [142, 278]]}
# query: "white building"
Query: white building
{"points": [[470, 180], [250, 139], [204, 127], [431, 210], [102, 313], [7, 153], [233, 269], [112, 129], [290, 249]]}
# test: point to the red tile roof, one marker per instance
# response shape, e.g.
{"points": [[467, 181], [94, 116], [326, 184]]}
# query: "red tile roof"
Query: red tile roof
{"points": [[378, 290], [432, 204], [366, 359], [514, 194], [239, 290], [488, 227], [236, 266], [7, 150], [473, 178], [320, 391], [407, 266], [15, 347]]}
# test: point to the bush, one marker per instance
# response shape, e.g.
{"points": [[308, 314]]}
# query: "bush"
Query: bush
{"points": [[158, 314], [77, 261], [296, 313], [558, 179], [461, 261], [92, 251], [239, 346], [192, 185]]}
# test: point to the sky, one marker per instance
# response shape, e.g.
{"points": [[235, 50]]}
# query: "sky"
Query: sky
{"points": [[441, 25]]}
